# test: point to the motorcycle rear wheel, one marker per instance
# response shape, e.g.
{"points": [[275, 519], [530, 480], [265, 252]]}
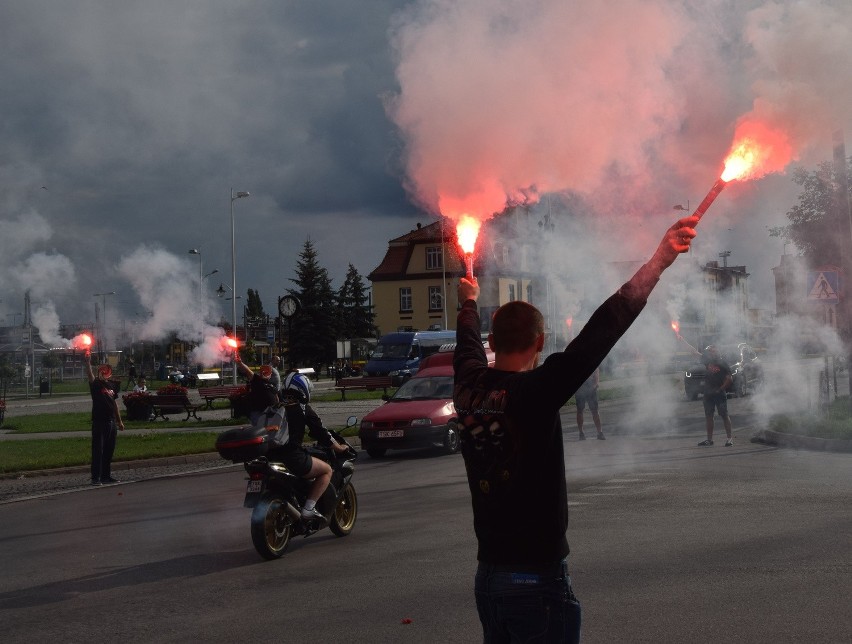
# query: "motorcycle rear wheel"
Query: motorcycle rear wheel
{"points": [[343, 519], [271, 527]]}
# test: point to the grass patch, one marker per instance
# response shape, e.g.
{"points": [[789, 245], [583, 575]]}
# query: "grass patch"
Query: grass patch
{"points": [[835, 423], [29, 455], [42, 454], [351, 394], [82, 421]]}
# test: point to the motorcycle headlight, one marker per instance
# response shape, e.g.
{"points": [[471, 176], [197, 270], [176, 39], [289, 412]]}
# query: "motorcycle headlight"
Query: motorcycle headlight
{"points": [[420, 422], [393, 373]]}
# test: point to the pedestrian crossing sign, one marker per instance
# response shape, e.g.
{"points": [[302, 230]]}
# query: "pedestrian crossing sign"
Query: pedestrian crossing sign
{"points": [[822, 286]]}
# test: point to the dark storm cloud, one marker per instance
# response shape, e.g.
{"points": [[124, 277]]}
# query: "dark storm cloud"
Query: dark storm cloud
{"points": [[139, 118]]}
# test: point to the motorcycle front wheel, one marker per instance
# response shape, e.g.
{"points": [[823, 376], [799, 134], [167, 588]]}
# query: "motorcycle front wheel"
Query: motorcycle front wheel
{"points": [[343, 519], [271, 527]]}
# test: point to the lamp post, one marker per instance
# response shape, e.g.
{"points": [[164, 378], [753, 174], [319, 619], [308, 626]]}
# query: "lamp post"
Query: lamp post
{"points": [[195, 251], [234, 196], [104, 318]]}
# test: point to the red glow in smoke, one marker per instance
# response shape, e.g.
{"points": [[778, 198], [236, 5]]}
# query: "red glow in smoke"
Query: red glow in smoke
{"points": [[231, 342], [676, 327], [757, 150], [82, 341]]}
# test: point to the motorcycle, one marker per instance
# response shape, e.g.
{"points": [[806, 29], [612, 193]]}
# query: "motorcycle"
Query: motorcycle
{"points": [[276, 495]]}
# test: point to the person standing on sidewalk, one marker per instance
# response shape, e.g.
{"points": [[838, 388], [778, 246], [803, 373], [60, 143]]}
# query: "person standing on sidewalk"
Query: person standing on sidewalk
{"points": [[105, 418], [716, 383], [587, 394]]}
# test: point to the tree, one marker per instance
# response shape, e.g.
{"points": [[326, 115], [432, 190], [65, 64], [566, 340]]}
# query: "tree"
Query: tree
{"points": [[254, 307], [51, 361], [355, 315], [813, 228], [314, 328]]}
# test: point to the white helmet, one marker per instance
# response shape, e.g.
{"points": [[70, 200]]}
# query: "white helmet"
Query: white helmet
{"points": [[298, 386]]}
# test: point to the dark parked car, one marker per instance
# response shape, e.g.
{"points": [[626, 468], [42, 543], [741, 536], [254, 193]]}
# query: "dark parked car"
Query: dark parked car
{"points": [[746, 369]]}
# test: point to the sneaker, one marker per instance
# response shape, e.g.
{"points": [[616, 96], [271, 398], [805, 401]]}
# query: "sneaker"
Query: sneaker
{"points": [[705, 443], [601, 437], [96, 482], [311, 514], [729, 442], [581, 437], [109, 480]]}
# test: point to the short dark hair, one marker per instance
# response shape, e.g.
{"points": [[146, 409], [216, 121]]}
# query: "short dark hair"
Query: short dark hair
{"points": [[515, 327]]}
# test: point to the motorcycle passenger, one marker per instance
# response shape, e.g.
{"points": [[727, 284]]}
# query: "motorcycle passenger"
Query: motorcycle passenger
{"points": [[262, 392], [296, 392]]}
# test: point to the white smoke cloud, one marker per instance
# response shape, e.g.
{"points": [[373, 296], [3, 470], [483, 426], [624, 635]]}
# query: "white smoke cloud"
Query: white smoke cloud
{"points": [[169, 289], [166, 289]]}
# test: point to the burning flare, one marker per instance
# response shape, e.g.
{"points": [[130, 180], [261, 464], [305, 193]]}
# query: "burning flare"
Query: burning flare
{"points": [[676, 327], [82, 341], [467, 230], [756, 151], [231, 342]]}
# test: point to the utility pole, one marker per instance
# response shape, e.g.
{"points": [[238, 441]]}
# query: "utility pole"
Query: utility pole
{"points": [[843, 216]]}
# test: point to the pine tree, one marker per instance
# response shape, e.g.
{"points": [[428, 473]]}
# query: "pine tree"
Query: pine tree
{"points": [[354, 312], [314, 328]]}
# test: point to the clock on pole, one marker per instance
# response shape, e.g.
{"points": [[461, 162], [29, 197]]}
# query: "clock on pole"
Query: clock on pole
{"points": [[288, 306]]}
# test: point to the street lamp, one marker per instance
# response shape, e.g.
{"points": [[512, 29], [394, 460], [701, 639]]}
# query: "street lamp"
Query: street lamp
{"points": [[103, 318], [234, 197], [195, 251]]}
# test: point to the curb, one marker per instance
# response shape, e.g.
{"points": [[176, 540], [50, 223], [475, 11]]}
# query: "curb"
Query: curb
{"points": [[770, 437]]}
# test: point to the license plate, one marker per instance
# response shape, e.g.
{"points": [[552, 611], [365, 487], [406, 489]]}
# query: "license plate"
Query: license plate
{"points": [[391, 433], [254, 486]]}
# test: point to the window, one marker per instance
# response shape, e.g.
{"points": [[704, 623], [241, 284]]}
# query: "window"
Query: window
{"points": [[405, 299], [511, 292], [434, 258], [436, 299]]}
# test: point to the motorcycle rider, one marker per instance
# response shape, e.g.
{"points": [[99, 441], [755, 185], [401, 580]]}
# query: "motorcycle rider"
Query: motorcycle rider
{"points": [[296, 392]]}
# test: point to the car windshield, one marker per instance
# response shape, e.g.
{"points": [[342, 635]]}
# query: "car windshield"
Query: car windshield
{"points": [[427, 388], [390, 351], [730, 354]]}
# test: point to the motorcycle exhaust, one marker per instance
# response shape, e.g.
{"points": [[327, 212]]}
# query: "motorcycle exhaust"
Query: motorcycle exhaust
{"points": [[292, 512]]}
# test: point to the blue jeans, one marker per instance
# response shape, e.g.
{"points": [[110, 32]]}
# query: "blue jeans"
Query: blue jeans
{"points": [[530, 604]]}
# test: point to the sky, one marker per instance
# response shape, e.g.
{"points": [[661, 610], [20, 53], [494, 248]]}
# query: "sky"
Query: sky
{"points": [[125, 126]]}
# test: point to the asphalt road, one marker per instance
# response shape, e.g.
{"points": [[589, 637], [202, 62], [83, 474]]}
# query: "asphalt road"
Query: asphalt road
{"points": [[670, 543]]}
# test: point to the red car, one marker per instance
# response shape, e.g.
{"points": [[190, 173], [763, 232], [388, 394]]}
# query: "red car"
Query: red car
{"points": [[419, 414]]}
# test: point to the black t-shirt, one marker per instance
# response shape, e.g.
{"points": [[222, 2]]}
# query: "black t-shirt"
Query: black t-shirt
{"points": [[103, 400], [717, 370], [262, 393], [511, 433]]}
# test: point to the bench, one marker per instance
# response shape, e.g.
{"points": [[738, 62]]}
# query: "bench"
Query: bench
{"points": [[370, 383], [212, 393], [163, 404]]}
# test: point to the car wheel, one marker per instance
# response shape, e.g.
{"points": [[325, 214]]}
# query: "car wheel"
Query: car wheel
{"points": [[376, 452], [451, 440]]}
